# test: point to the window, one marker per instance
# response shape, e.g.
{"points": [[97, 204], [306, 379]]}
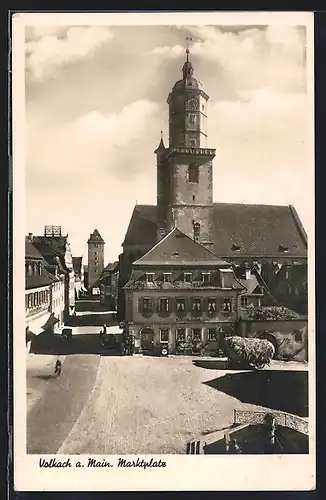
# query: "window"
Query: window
{"points": [[192, 118], [180, 304], [40, 269], [150, 277], [286, 274], [196, 334], [296, 291], [290, 290], [187, 277], [30, 300], [244, 301], [211, 305], [164, 305], [164, 335], [167, 277], [193, 173], [196, 305], [203, 107], [196, 231], [212, 334], [235, 248], [206, 277], [181, 334], [192, 143], [227, 304], [193, 197], [146, 304], [96, 245], [283, 248]]}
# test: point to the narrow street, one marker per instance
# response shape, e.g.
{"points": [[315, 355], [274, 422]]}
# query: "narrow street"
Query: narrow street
{"points": [[143, 404]]}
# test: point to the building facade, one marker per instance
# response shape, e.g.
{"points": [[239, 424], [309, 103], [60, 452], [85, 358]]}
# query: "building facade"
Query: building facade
{"points": [[42, 313], [78, 266], [108, 284], [95, 258], [56, 251], [180, 296], [248, 235]]}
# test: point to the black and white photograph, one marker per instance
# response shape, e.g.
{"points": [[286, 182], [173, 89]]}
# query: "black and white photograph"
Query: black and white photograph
{"points": [[163, 183]]}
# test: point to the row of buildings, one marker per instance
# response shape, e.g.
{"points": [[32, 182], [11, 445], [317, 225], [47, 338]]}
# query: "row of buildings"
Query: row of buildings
{"points": [[51, 282], [192, 268]]}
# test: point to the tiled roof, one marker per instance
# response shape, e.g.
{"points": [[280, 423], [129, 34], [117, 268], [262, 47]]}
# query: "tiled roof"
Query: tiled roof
{"points": [[53, 250], [77, 263], [138, 280], [37, 281], [250, 284], [95, 237], [31, 251], [177, 248], [112, 266], [142, 226], [239, 230]]}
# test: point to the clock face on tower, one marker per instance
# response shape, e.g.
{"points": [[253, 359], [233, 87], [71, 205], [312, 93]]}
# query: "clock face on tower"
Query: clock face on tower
{"points": [[192, 104]]}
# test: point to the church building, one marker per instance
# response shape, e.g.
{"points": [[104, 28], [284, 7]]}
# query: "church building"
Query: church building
{"points": [[235, 238]]}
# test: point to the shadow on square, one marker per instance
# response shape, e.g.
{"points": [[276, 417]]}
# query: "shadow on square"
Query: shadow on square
{"points": [[285, 391]]}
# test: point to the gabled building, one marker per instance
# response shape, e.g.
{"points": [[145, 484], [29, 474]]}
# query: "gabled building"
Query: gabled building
{"points": [[42, 311], [55, 250], [288, 287], [242, 234], [108, 284], [180, 293], [78, 266]]}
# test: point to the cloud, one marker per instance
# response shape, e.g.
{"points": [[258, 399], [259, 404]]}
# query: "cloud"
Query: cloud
{"points": [[91, 145], [46, 54], [170, 51], [253, 58]]}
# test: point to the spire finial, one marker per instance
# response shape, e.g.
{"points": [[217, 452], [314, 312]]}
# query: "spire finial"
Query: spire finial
{"points": [[161, 134], [188, 39]]}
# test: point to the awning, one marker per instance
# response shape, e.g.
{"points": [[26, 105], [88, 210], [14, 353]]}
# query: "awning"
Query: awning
{"points": [[36, 325], [52, 320]]}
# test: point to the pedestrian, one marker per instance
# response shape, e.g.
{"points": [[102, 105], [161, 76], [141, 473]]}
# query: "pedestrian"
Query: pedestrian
{"points": [[58, 367]]}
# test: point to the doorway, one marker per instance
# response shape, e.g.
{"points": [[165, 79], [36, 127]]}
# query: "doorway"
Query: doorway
{"points": [[147, 340]]}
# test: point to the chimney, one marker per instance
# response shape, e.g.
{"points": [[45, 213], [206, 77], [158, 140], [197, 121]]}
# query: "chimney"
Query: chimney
{"points": [[247, 273]]}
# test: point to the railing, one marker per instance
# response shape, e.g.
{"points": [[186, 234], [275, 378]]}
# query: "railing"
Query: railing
{"points": [[259, 417]]}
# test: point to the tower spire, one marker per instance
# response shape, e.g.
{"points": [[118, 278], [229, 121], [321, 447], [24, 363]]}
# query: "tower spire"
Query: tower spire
{"points": [[187, 69]]}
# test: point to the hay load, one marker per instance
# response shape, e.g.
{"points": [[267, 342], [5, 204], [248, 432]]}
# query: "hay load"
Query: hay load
{"points": [[248, 352]]}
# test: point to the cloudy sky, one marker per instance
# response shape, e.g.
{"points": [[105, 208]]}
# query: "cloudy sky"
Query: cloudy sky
{"points": [[96, 102]]}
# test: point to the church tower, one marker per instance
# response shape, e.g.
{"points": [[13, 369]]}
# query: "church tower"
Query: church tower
{"points": [[185, 176], [95, 257]]}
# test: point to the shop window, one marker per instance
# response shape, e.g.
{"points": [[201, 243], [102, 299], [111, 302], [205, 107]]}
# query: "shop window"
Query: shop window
{"points": [[181, 334], [193, 173], [227, 304], [164, 335], [167, 277], [180, 304], [212, 334], [244, 301], [211, 305], [196, 334], [187, 277], [150, 277], [164, 305]]}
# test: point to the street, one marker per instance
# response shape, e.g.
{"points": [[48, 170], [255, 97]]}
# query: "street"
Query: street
{"points": [[143, 404]]}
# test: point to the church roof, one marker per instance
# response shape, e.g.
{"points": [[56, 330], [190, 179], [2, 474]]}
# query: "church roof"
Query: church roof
{"points": [[142, 226], [177, 248], [95, 237], [239, 229]]}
